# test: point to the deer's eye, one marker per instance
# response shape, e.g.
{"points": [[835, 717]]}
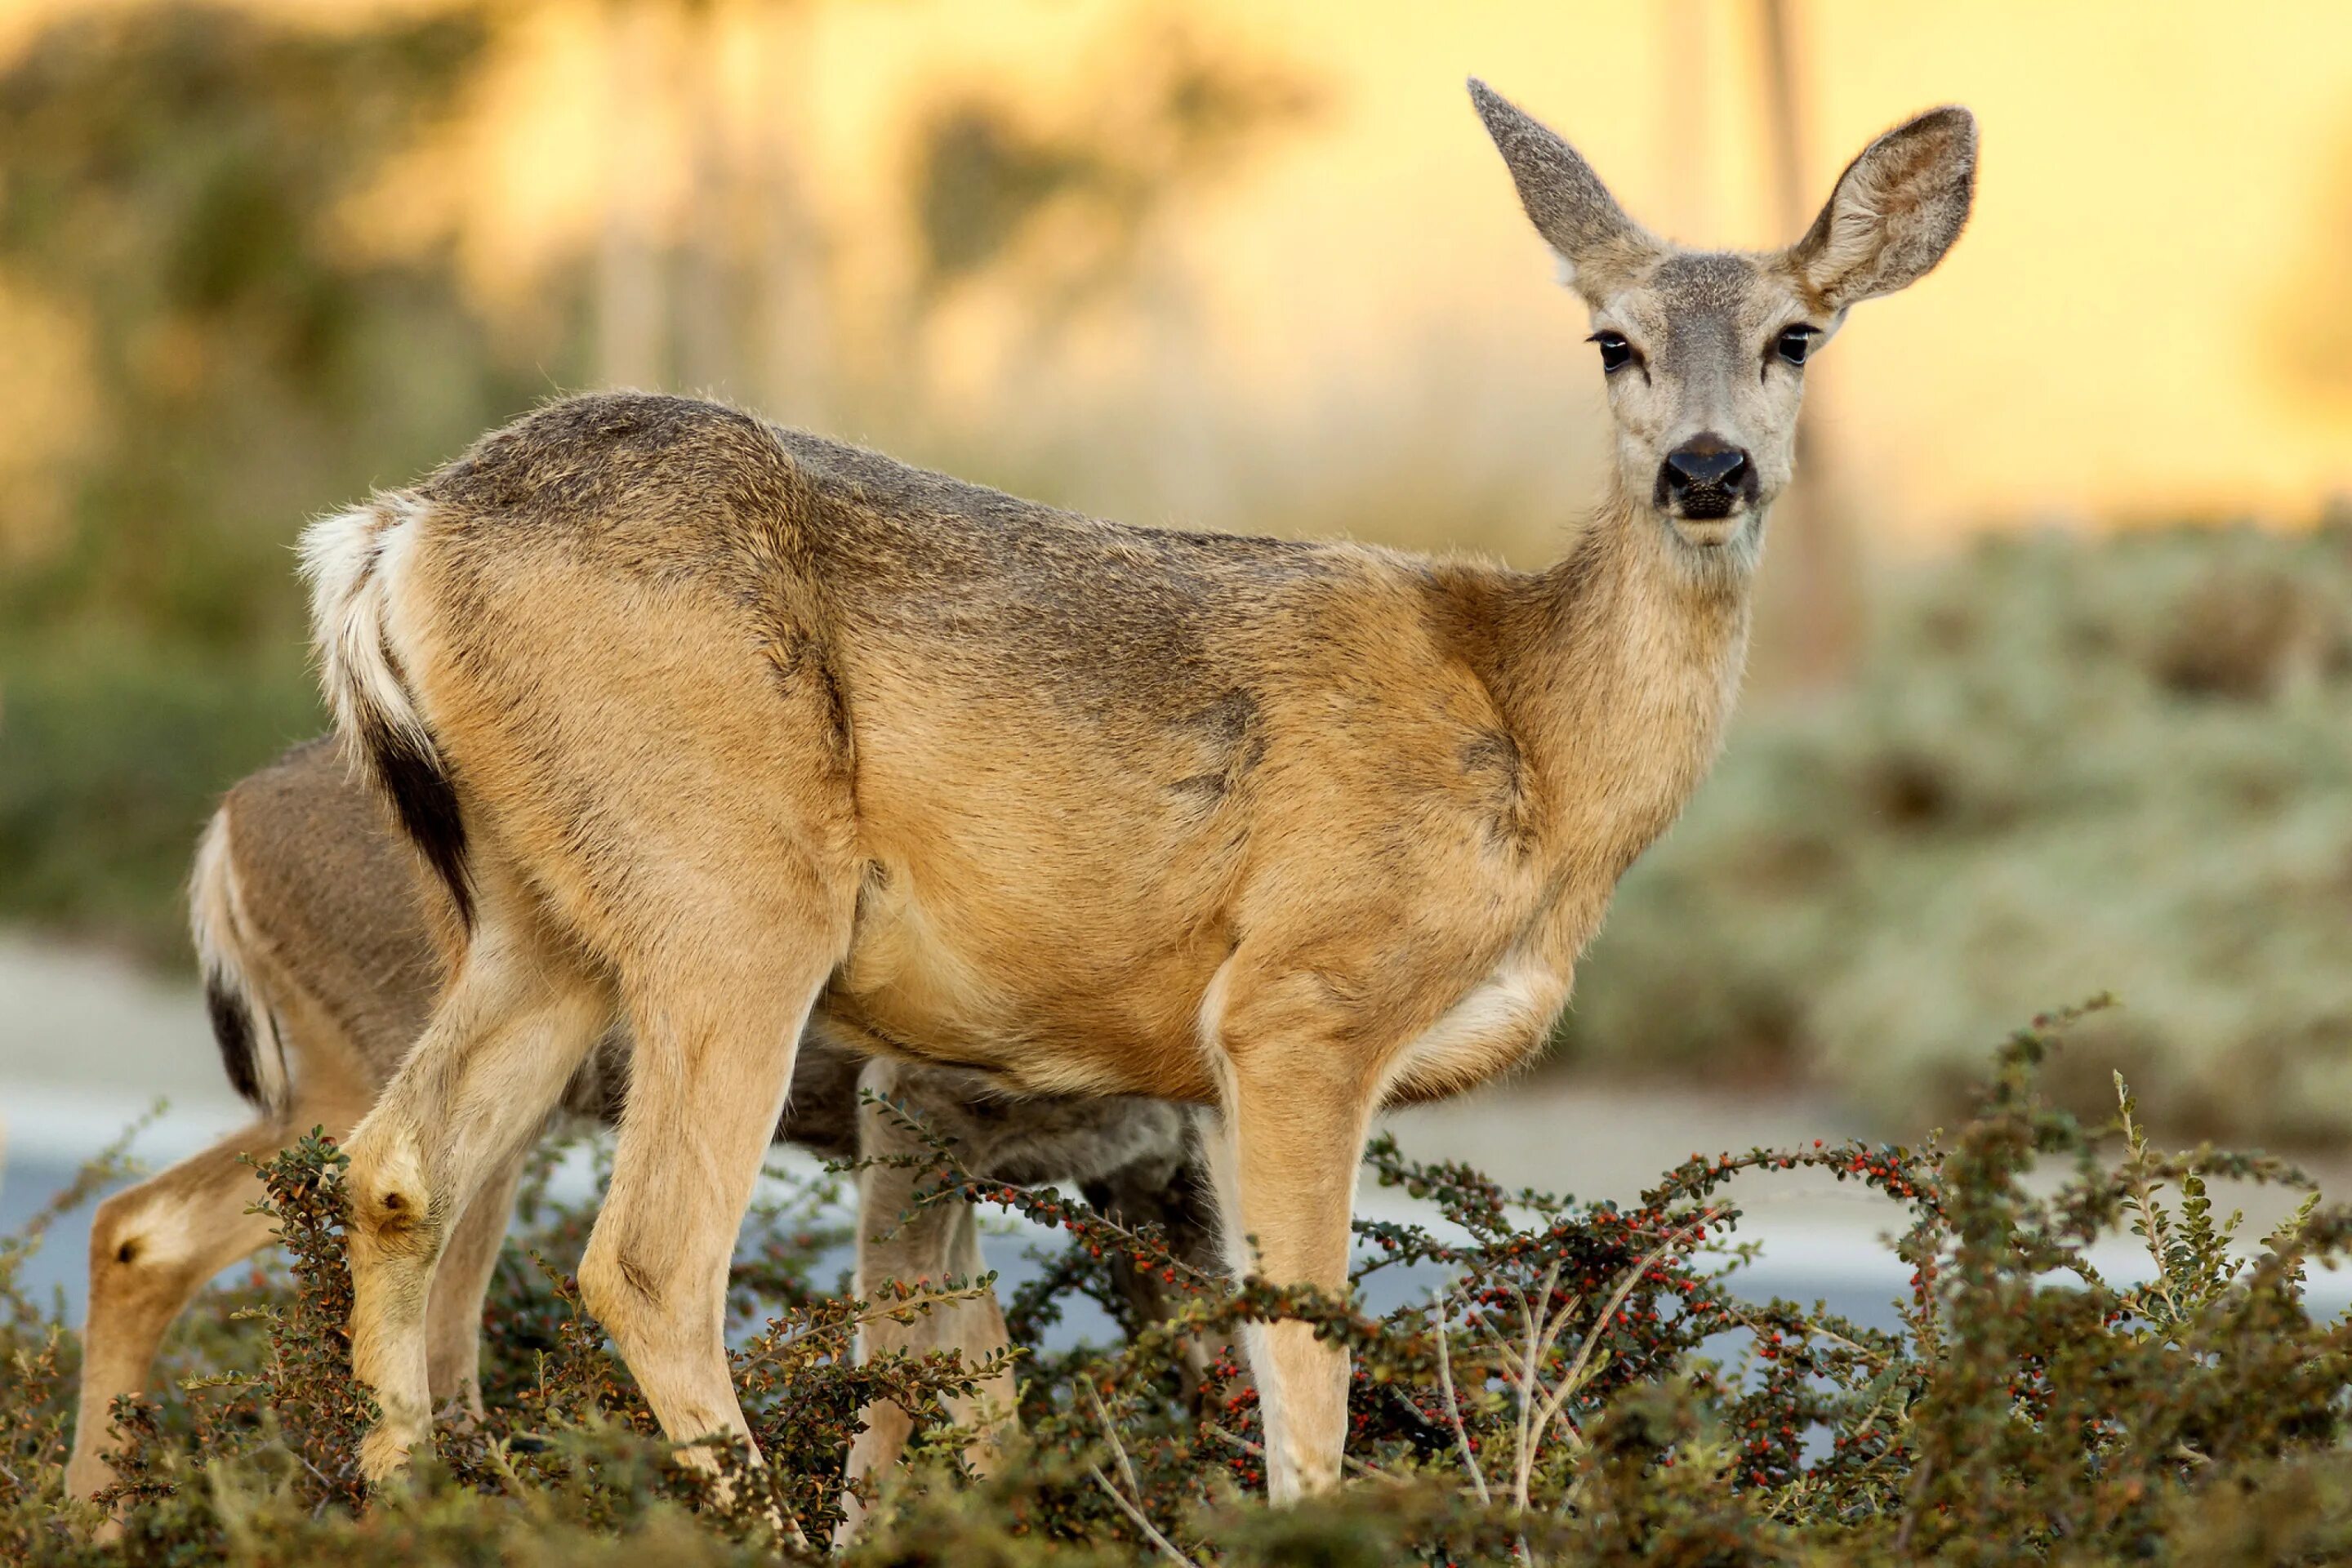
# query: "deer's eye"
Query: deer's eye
{"points": [[1616, 353], [1794, 343]]}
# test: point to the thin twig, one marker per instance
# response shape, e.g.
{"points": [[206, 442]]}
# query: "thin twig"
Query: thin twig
{"points": [[1348, 1461], [1557, 1400], [1102, 1416], [1134, 1510], [1817, 1330], [1539, 1332], [1135, 1516], [1453, 1407], [1911, 1503], [1573, 1378], [917, 1305]]}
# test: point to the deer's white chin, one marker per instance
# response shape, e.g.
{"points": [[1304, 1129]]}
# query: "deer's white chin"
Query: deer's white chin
{"points": [[1709, 533]]}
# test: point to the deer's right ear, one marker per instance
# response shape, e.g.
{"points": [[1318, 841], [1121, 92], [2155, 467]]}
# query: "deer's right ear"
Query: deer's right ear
{"points": [[1597, 243], [1896, 210]]}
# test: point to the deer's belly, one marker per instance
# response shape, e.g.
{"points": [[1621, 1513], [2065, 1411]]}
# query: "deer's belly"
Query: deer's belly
{"points": [[1042, 1003]]}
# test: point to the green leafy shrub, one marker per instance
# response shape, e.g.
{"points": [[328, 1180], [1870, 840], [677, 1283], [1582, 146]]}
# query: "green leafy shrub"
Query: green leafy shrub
{"points": [[1563, 1396]]}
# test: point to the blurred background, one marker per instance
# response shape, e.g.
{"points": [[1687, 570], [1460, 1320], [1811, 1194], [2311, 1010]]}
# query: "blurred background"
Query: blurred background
{"points": [[2053, 689]]}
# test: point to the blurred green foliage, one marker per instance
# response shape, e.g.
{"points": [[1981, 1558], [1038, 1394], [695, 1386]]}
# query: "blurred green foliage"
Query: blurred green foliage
{"points": [[177, 178], [113, 754], [2066, 764]]}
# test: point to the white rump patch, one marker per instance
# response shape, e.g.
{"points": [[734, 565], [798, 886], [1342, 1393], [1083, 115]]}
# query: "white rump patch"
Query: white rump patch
{"points": [[353, 559]]}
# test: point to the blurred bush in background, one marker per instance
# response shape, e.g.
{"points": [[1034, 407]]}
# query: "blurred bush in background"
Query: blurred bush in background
{"points": [[176, 184], [2066, 764]]}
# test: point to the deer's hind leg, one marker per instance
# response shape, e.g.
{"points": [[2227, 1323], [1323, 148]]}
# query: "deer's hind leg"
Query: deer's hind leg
{"points": [[521, 1009], [680, 803], [453, 1315], [717, 1027]]}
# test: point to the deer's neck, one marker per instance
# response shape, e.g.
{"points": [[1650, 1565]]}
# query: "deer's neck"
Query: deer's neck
{"points": [[1616, 669]]}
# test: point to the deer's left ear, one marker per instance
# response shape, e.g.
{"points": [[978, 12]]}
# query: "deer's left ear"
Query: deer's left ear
{"points": [[1598, 245], [1896, 210]]}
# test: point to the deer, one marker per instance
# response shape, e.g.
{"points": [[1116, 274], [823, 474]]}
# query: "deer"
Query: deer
{"points": [[323, 952], [753, 736]]}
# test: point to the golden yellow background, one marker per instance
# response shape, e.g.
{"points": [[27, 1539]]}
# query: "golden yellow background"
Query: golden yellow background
{"points": [[2130, 327]]}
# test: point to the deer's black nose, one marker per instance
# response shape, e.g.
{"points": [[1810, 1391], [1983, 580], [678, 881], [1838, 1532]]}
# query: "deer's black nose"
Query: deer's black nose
{"points": [[1704, 478], [1704, 463]]}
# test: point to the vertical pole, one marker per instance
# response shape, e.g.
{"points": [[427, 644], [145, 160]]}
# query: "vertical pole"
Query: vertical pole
{"points": [[1683, 99], [1814, 618], [793, 363], [631, 319], [708, 309]]}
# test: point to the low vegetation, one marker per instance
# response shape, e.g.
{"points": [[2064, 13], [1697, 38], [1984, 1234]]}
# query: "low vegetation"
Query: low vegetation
{"points": [[1580, 1384]]}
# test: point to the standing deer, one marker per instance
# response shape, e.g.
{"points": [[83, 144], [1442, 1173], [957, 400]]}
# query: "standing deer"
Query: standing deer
{"points": [[320, 966], [751, 734]]}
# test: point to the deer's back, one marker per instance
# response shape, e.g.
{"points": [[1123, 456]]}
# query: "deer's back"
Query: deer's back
{"points": [[328, 897]]}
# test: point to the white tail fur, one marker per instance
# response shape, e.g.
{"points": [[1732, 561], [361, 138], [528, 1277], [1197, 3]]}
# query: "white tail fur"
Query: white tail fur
{"points": [[345, 559], [354, 561], [253, 1051]]}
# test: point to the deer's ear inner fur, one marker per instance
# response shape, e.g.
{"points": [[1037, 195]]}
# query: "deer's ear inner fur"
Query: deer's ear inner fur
{"points": [[1895, 211]]}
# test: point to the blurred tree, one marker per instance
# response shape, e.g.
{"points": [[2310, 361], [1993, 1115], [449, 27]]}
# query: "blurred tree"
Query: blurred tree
{"points": [[176, 189], [1174, 117], [632, 315], [2313, 317], [177, 178], [1811, 615]]}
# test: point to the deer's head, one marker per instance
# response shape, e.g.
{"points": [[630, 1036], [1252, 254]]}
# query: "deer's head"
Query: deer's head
{"points": [[1705, 351]]}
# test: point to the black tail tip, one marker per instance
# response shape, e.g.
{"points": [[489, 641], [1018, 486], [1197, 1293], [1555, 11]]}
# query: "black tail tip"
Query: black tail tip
{"points": [[426, 800], [233, 1031]]}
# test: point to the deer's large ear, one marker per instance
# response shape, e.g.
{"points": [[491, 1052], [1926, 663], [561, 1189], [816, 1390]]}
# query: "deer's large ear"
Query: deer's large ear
{"points": [[1596, 242], [1896, 210]]}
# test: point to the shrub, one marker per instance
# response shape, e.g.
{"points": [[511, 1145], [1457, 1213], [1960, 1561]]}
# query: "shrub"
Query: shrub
{"points": [[1564, 1396]]}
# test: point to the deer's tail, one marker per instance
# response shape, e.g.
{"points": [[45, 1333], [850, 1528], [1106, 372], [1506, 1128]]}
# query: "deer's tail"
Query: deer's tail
{"points": [[354, 561], [252, 1045]]}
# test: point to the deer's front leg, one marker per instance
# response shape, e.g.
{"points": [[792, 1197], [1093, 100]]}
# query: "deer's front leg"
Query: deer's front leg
{"points": [[1283, 1154], [898, 1244]]}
